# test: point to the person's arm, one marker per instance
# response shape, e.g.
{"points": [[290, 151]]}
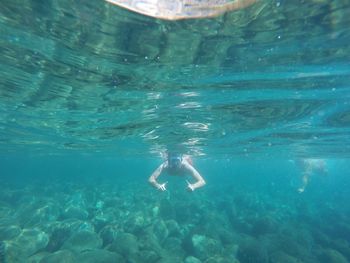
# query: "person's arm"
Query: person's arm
{"points": [[196, 175], [155, 175]]}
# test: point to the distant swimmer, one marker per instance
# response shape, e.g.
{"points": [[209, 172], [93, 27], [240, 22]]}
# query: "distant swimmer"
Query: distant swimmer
{"points": [[311, 167], [178, 165]]}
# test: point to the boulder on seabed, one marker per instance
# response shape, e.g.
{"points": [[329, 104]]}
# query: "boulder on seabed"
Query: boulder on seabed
{"points": [[205, 247], [173, 246], [219, 259], [108, 234], [75, 212], [61, 231], [28, 242], [281, 256], [148, 256], [37, 257], [126, 244], [135, 223], [42, 215], [160, 230], [332, 256], [173, 228], [252, 251], [192, 259], [83, 240], [100, 256], [9, 232], [60, 256]]}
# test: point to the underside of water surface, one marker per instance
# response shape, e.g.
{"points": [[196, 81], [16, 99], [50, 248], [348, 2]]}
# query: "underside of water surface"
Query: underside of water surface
{"points": [[94, 96]]}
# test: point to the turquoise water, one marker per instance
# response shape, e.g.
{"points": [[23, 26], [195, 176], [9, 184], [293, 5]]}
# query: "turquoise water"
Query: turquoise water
{"points": [[92, 95]]}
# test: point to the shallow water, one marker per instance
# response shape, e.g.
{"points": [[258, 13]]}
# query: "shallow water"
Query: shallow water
{"points": [[91, 95]]}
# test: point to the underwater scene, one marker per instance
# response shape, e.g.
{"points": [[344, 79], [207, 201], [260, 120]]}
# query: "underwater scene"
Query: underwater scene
{"points": [[158, 131]]}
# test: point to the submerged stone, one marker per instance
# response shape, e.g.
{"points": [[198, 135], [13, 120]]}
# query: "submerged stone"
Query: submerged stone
{"points": [[252, 251], [332, 256], [60, 256], [173, 228], [100, 256], [83, 240], [192, 259], [160, 230], [43, 215], [61, 231], [36, 258], [264, 225], [9, 232], [125, 244], [166, 209], [2, 251], [149, 256], [108, 234], [135, 223], [280, 256], [173, 246], [205, 247], [75, 212], [29, 242]]}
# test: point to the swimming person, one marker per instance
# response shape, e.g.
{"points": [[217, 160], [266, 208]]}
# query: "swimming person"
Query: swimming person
{"points": [[178, 165], [311, 167]]}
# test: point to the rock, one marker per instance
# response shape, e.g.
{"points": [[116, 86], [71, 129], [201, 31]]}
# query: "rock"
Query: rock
{"points": [[2, 251], [100, 256], [226, 237], [341, 245], [252, 251], [166, 209], [75, 212], [230, 251], [218, 259], [60, 256], [29, 242], [183, 214], [280, 256], [173, 246], [61, 231], [160, 230], [108, 234], [264, 225], [126, 244], [332, 256], [83, 240], [99, 222], [191, 259], [9, 232], [135, 223], [42, 215], [36, 258], [149, 256], [205, 247], [155, 211], [173, 228], [148, 241]]}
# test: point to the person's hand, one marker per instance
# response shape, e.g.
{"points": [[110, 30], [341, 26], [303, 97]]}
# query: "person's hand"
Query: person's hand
{"points": [[190, 187], [162, 186]]}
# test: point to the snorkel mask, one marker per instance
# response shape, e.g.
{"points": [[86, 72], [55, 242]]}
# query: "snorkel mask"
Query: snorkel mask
{"points": [[174, 161]]}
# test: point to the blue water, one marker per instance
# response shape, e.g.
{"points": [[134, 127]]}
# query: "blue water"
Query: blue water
{"points": [[92, 96]]}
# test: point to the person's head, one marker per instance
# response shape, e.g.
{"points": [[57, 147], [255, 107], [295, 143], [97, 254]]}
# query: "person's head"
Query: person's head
{"points": [[174, 161]]}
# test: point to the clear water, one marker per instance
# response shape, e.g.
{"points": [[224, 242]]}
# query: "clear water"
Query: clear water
{"points": [[91, 94]]}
